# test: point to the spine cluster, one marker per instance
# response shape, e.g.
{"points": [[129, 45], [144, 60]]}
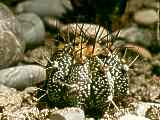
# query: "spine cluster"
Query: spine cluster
{"points": [[89, 81]]}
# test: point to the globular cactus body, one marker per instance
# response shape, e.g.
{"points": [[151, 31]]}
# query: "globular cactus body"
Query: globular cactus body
{"points": [[90, 83]]}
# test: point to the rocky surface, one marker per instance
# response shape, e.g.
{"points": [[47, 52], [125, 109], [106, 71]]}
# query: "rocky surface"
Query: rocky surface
{"points": [[22, 105], [19, 69]]}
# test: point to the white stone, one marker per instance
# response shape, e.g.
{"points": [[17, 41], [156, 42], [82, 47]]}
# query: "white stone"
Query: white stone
{"points": [[132, 117], [68, 114]]}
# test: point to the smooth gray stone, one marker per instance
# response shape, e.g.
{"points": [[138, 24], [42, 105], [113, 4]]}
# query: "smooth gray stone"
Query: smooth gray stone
{"points": [[138, 35], [11, 44], [44, 7], [20, 77], [33, 30]]}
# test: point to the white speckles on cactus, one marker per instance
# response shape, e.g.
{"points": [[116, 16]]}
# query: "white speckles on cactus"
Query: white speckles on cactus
{"points": [[97, 80]]}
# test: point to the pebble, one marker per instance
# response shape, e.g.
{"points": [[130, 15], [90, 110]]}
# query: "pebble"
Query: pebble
{"points": [[153, 5], [90, 31], [132, 117], [142, 107], [11, 44], [53, 23], [8, 21], [146, 17], [139, 50], [68, 114], [23, 76], [10, 49], [90, 119], [33, 30], [137, 35], [44, 7]]}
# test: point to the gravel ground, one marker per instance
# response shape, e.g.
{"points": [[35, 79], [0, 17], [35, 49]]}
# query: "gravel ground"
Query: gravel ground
{"points": [[138, 27]]}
